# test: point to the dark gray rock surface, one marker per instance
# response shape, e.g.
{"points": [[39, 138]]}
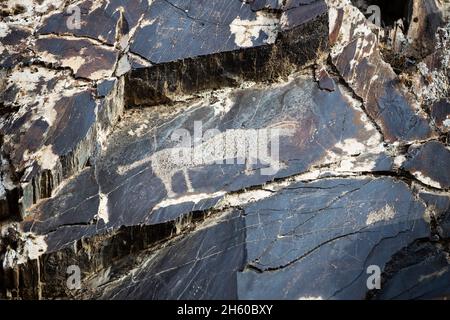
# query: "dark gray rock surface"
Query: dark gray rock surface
{"points": [[224, 149]]}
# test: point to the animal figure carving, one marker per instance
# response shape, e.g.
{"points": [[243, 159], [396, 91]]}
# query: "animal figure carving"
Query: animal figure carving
{"points": [[235, 146]]}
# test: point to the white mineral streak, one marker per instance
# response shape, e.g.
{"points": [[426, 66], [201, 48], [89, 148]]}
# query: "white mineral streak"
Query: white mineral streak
{"points": [[385, 214], [40, 103], [75, 63], [311, 298], [236, 200], [46, 158], [353, 154], [399, 161], [194, 198], [139, 132], [351, 147], [247, 31], [4, 30], [103, 212], [446, 123], [5, 178], [224, 103], [30, 247], [26, 79], [123, 66], [437, 81], [33, 10], [348, 155], [354, 24], [426, 180], [433, 275], [98, 4]]}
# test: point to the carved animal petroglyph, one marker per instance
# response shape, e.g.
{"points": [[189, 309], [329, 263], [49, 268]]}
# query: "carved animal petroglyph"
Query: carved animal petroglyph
{"points": [[236, 146]]}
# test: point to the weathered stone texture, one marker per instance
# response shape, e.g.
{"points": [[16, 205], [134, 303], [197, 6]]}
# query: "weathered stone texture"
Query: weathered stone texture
{"points": [[318, 147]]}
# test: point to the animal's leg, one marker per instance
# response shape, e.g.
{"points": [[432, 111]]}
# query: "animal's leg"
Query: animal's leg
{"points": [[188, 181], [248, 166], [166, 179]]}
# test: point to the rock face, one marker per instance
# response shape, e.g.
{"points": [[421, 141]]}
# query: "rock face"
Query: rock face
{"points": [[224, 149]]}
